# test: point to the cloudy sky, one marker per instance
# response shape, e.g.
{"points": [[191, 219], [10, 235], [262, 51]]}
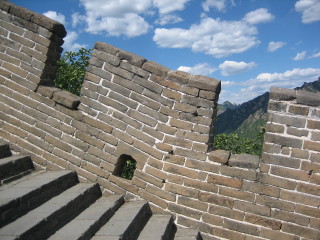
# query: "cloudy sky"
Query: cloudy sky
{"points": [[250, 45]]}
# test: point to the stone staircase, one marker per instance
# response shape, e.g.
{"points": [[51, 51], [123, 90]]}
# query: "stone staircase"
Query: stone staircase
{"points": [[54, 205]]}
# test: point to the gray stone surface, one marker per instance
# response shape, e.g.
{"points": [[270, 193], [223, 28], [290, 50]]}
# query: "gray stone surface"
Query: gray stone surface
{"points": [[244, 161], [90, 220], [220, 156], [127, 221], [158, 227], [308, 98], [187, 234], [282, 94], [41, 221], [14, 165]]}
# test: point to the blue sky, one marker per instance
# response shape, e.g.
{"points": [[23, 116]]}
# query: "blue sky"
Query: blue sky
{"points": [[250, 45]]}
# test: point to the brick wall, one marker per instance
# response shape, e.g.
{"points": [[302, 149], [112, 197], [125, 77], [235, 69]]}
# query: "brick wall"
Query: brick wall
{"points": [[164, 120]]}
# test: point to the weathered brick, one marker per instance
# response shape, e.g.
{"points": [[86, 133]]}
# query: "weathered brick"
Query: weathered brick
{"points": [[190, 154], [227, 234], [211, 219], [261, 189], [315, 146], [225, 181], [235, 193], [195, 101], [274, 128], [290, 217], [309, 188], [287, 120], [156, 173], [300, 231], [289, 173], [153, 199], [220, 156], [178, 142], [148, 178], [148, 149], [158, 98], [282, 140], [181, 124], [166, 129], [142, 118], [71, 158], [252, 208], [276, 181], [184, 211], [275, 235], [281, 160], [161, 193], [299, 110], [297, 132], [180, 170], [275, 203], [201, 165], [155, 68], [308, 211], [181, 190], [112, 121], [201, 185], [95, 170], [140, 135], [226, 212], [297, 197], [241, 227], [216, 199], [315, 178], [195, 204], [238, 173]]}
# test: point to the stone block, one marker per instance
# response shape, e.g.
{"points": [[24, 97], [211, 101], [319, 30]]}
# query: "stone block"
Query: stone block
{"points": [[155, 68], [201, 165], [239, 173], [299, 110], [310, 145], [220, 156], [216, 199], [66, 98], [281, 160], [235, 193], [241, 227], [181, 190], [282, 94], [244, 161], [289, 173], [200, 185], [308, 98], [283, 140], [225, 181], [175, 169]]}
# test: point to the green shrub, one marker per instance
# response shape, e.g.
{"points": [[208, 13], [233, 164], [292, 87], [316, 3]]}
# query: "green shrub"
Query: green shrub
{"points": [[237, 145], [72, 67], [128, 168]]}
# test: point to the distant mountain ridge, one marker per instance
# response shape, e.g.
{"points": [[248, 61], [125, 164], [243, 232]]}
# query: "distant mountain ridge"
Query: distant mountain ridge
{"points": [[248, 118]]}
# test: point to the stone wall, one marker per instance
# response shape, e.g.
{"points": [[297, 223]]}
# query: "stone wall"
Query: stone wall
{"points": [[164, 120]]}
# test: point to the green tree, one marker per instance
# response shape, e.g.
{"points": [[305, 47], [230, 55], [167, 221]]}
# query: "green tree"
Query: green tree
{"points": [[72, 67], [235, 144]]}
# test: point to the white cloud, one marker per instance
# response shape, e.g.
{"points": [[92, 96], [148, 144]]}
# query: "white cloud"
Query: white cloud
{"points": [[260, 15], [310, 10], [228, 68], [70, 44], [300, 56], [273, 46], [211, 36], [77, 19], [56, 16], [264, 81], [220, 5], [116, 17], [168, 19], [199, 69], [168, 6], [316, 55]]}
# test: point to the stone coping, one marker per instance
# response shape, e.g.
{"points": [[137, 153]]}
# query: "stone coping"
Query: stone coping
{"points": [[30, 16], [301, 97]]}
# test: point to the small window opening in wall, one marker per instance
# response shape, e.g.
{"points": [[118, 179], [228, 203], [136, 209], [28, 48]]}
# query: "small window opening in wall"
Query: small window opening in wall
{"points": [[125, 167]]}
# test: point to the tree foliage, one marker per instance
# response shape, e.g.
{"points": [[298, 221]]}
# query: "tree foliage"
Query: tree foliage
{"points": [[128, 169], [235, 144], [72, 67]]}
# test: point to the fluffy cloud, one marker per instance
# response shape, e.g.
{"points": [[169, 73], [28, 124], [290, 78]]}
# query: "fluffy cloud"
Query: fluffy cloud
{"points": [[115, 17], [273, 46], [168, 19], [168, 6], [56, 16], [310, 10], [260, 15], [316, 55], [211, 36], [220, 5], [70, 42], [228, 68], [199, 69], [300, 56], [264, 81]]}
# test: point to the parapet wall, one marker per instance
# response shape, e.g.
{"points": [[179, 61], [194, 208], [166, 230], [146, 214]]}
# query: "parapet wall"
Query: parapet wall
{"points": [[164, 120]]}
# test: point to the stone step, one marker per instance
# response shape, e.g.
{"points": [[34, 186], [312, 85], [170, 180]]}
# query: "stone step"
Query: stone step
{"points": [[29, 192], [158, 227], [4, 149], [127, 222], [13, 166], [85, 225], [46, 219], [187, 234]]}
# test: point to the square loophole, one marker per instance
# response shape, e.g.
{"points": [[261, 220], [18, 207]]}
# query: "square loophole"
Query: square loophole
{"points": [[125, 167]]}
